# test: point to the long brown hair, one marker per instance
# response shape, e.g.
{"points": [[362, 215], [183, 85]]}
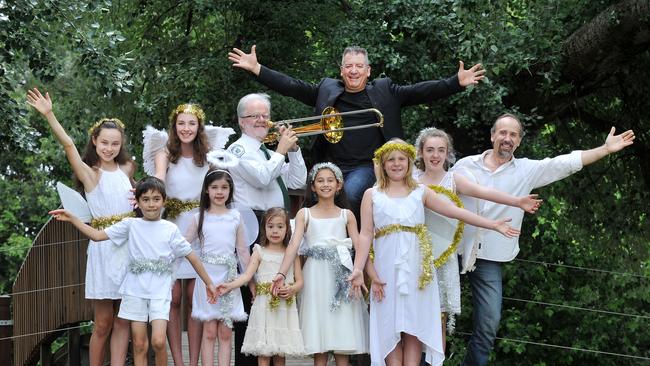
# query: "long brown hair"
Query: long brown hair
{"points": [[200, 146], [90, 156]]}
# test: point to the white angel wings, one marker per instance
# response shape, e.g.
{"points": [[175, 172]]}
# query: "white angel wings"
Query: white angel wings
{"points": [[156, 140]]}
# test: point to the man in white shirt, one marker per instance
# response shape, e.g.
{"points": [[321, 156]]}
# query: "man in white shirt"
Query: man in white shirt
{"points": [[262, 177], [498, 168], [259, 174]]}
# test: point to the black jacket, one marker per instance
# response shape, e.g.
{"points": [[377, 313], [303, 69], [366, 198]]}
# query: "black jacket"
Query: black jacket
{"points": [[384, 95]]}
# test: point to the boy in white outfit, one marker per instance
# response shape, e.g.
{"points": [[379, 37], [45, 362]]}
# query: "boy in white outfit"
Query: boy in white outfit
{"points": [[153, 245]]}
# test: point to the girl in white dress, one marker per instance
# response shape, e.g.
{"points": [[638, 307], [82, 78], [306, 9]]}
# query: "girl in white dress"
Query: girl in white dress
{"points": [[404, 308], [220, 232], [332, 320], [105, 173], [435, 153], [179, 158], [273, 328]]}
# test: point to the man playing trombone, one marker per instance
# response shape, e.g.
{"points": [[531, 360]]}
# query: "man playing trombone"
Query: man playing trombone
{"points": [[353, 154]]}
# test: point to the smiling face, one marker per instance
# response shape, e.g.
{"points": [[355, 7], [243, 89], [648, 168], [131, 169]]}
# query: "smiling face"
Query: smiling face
{"points": [[434, 153], [218, 192], [325, 184], [187, 126], [506, 137], [276, 229], [396, 166], [355, 72], [151, 204], [108, 143], [254, 119]]}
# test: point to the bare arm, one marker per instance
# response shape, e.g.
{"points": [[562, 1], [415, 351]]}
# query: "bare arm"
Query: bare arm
{"points": [[244, 278], [290, 290], [367, 231], [291, 252], [200, 270], [613, 143], [446, 208], [356, 277], [161, 162], [87, 230], [528, 203], [43, 104]]}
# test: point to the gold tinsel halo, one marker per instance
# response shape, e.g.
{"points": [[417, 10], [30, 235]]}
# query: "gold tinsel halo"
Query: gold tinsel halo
{"points": [[174, 207], [389, 147], [102, 121], [460, 227], [188, 108]]}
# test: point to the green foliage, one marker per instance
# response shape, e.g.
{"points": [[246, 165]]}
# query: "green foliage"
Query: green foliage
{"points": [[138, 60]]}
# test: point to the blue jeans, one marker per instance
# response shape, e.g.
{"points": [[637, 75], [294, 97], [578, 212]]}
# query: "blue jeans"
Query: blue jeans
{"points": [[487, 289], [356, 181]]}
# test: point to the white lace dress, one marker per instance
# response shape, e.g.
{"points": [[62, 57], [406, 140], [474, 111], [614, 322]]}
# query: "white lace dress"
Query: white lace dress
{"points": [[405, 308], [448, 273], [183, 181], [341, 329], [272, 331], [106, 263]]}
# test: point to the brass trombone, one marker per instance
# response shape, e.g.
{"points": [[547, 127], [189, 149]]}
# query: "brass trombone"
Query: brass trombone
{"points": [[330, 125]]}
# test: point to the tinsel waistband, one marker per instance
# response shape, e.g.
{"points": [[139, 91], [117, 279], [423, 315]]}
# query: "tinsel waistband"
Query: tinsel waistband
{"points": [[175, 207], [103, 222], [426, 250], [157, 266], [341, 272], [264, 288], [225, 302]]}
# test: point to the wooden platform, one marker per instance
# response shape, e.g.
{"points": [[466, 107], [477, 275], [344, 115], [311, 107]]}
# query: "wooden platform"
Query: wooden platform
{"points": [[290, 361]]}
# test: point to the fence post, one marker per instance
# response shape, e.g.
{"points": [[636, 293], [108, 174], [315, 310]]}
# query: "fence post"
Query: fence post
{"points": [[6, 330]]}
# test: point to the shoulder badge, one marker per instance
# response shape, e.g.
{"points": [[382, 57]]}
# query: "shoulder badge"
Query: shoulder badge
{"points": [[237, 150]]}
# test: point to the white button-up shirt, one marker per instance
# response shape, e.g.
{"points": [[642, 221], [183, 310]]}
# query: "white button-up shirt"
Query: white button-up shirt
{"points": [[255, 176], [517, 177]]}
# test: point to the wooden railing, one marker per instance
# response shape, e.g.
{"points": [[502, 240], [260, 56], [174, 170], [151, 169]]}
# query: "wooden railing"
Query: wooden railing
{"points": [[49, 292]]}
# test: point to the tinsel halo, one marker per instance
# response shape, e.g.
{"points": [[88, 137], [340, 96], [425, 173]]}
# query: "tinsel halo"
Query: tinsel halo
{"points": [[389, 147], [188, 108], [102, 121]]}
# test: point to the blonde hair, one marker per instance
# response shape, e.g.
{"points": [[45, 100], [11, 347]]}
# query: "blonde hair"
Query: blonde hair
{"points": [[382, 154]]}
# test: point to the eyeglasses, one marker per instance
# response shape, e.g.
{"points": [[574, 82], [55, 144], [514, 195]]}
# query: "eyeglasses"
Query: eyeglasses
{"points": [[257, 116]]}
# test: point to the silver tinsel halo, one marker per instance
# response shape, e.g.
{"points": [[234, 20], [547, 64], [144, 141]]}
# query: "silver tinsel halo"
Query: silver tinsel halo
{"points": [[326, 165]]}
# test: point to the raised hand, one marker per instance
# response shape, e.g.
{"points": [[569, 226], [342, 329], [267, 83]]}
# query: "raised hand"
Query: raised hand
{"points": [[615, 143], [471, 76], [246, 61], [357, 284], [530, 203], [43, 104], [505, 229]]}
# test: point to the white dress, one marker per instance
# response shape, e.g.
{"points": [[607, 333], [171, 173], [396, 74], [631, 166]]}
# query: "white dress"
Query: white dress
{"points": [[327, 326], [448, 273], [218, 257], [405, 308], [106, 263], [183, 181], [272, 331]]}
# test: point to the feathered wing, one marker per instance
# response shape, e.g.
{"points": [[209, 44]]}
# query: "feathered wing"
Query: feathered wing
{"points": [[251, 227], [218, 136], [72, 201], [154, 141], [222, 159]]}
